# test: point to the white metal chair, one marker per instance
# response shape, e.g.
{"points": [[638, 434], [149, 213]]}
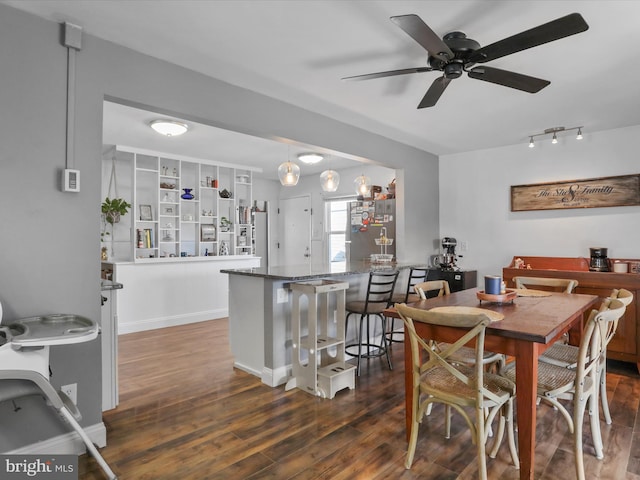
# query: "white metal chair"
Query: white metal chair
{"points": [[581, 384], [567, 355], [458, 386]]}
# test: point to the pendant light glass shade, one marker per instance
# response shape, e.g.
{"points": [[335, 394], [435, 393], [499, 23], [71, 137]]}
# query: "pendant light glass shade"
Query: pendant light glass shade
{"points": [[329, 180], [288, 173], [362, 185]]}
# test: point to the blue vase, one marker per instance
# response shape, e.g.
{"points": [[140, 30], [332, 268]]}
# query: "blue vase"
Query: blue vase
{"points": [[187, 195]]}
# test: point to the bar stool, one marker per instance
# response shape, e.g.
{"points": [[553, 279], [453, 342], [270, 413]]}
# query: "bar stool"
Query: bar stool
{"points": [[379, 291], [409, 295]]}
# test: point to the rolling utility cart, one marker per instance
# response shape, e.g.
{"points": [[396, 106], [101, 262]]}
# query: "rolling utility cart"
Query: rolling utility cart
{"points": [[319, 366]]}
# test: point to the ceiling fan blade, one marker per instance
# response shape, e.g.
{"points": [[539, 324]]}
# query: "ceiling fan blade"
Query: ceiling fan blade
{"points": [[421, 33], [548, 32], [509, 79], [434, 93], [390, 73]]}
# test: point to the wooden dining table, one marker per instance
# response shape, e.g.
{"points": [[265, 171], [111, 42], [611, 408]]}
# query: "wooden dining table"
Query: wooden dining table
{"points": [[531, 324]]}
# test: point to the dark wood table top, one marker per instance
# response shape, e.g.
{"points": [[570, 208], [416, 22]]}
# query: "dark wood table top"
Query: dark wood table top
{"points": [[534, 319]]}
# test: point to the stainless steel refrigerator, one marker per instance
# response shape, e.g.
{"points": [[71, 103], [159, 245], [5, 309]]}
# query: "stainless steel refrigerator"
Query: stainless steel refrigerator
{"points": [[261, 236], [366, 222]]}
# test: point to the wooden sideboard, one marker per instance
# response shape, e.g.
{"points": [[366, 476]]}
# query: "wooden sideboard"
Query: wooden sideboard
{"points": [[625, 346]]}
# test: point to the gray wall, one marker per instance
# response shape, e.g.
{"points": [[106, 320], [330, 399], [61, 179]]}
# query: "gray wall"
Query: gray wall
{"points": [[50, 240]]}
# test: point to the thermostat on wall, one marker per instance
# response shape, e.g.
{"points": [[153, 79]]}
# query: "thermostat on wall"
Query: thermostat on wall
{"points": [[71, 180]]}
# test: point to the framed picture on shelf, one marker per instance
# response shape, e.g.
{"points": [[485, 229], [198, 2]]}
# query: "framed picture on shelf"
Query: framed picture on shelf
{"points": [[145, 213], [167, 210], [207, 233]]}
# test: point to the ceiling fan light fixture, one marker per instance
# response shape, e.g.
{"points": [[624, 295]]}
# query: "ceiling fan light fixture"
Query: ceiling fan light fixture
{"points": [[310, 158], [362, 185], [169, 128], [289, 174], [554, 140], [329, 180], [531, 144], [579, 135]]}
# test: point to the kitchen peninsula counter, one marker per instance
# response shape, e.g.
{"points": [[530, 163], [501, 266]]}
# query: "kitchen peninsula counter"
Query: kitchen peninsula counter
{"points": [[260, 314]]}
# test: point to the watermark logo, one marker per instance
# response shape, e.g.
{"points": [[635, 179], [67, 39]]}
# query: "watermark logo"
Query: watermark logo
{"points": [[39, 467]]}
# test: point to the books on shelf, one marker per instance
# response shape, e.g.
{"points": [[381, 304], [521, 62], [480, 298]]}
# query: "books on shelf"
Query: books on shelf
{"points": [[145, 238]]}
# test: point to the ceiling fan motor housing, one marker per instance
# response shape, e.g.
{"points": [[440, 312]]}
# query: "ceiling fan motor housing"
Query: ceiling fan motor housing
{"points": [[462, 47]]}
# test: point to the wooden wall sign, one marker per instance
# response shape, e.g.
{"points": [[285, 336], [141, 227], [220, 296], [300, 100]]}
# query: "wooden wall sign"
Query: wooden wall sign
{"points": [[617, 191]]}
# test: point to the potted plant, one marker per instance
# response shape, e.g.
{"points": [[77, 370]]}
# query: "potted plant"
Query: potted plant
{"points": [[225, 224], [114, 208]]}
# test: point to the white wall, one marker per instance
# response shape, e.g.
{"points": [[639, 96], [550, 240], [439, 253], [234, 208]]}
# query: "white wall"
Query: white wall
{"points": [[310, 184], [475, 200]]}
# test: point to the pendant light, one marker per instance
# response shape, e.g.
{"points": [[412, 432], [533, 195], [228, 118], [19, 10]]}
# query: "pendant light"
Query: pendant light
{"points": [[329, 180], [288, 173], [362, 185]]}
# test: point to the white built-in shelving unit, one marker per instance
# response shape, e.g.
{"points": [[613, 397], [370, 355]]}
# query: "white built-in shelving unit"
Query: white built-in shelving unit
{"points": [[166, 223]]}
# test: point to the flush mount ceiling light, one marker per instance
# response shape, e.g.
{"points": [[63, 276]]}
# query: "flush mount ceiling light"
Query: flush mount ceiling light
{"points": [[329, 180], [554, 131], [169, 128], [362, 185], [310, 158]]}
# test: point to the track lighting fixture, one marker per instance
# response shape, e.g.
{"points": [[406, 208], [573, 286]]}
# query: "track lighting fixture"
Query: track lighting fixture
{"points": [[554, 131]]}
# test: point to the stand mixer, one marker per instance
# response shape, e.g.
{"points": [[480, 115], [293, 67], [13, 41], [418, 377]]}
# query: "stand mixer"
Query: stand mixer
{"points": [[448, 258]]}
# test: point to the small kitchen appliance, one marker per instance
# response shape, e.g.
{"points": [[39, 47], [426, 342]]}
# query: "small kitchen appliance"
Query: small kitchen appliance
{"points": [[599, 261], [449, 257]]}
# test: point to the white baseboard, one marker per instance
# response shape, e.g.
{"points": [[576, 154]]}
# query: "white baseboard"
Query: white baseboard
{"points": [[161, 322], [276, 377], [67, 444]]}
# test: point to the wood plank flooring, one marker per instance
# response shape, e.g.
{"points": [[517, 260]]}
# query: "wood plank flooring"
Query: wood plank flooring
{"points": [[185, 413]]}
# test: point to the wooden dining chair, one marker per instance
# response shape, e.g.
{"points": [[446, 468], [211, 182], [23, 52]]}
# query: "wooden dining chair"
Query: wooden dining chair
{"points": [[580, 384], [566, 356], [565, 285], [455, 385], [378, 297], [464, 355]]}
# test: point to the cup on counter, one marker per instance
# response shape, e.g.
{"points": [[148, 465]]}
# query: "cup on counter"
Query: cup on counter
{"points": [[492, 284]]}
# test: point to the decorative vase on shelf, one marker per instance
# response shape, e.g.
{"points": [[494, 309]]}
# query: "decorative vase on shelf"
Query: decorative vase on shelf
{"points": [[187, 195], [224, 248]]}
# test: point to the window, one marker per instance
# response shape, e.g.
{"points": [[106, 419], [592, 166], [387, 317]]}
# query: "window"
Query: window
{"points": [[336, 215]]}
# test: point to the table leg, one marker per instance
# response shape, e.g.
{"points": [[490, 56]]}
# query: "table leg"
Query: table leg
{"points": [[526, 387]]}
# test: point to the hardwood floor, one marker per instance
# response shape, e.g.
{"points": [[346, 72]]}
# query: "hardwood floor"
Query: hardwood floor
{"points": [[186, 413]]}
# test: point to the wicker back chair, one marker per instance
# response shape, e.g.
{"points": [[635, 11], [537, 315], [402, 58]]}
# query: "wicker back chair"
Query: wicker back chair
{"points": [[441, 286], [579, 384], [457, 386]]}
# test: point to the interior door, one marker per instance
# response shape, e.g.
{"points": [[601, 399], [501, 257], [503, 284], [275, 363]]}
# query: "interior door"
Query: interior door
{"points": [[295, 227]]}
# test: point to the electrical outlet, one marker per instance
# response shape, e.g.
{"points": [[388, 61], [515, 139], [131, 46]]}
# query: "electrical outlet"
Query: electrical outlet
{"points": [[464, 246], [71, 391]]}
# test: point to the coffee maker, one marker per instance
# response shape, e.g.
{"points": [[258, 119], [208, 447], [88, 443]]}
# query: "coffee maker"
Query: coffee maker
{"points": [[449, 257], [599, 261]]}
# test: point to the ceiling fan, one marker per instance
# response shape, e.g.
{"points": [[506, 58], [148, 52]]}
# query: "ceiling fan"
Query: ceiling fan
{"points": [[456, 53]]}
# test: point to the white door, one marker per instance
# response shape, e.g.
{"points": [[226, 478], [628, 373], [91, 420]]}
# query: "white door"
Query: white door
{"points": [[295, 227]]}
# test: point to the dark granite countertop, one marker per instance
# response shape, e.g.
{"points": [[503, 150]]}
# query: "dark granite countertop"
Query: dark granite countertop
{"points": [[305, 272]]}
